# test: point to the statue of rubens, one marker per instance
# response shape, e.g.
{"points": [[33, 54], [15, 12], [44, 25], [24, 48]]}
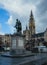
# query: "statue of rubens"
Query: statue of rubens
{"points": [[18, 26]]}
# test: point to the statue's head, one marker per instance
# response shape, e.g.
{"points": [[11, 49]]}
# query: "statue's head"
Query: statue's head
{"points": [[17, 20]]}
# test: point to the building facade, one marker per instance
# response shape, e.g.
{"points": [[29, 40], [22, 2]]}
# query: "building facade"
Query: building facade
{"points": [[7, 40], [36, 39]]}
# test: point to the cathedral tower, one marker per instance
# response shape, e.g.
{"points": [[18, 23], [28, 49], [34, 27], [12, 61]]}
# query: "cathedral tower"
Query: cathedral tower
{"points": [[31, 25]]}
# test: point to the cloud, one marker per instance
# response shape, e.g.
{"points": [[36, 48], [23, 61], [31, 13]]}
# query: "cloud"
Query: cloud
{"points": [[17, 6], [1, 33], [10, 21], [41, 16], [21, 9]]}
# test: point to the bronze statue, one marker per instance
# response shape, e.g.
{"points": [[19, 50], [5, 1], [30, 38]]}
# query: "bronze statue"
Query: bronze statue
{"points": [[18, 26]]}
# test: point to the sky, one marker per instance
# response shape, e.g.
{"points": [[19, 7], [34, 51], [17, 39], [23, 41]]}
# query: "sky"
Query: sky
{"points": [[10, 10]]}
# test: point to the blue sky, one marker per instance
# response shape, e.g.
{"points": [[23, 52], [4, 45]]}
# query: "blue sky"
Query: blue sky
{"points": [[10, 10], [4, 16]]}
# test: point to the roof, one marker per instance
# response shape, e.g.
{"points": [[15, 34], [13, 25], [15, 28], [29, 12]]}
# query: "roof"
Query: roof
{"points": [[16, 34], [38, 35]]}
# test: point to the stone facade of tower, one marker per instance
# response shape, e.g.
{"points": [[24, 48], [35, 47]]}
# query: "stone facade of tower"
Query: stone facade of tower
{"points": [[31, 25], [31, 31]]}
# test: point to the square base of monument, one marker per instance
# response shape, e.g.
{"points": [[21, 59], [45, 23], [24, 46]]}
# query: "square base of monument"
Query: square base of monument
{"points": [[8, 54], [17, 51]]}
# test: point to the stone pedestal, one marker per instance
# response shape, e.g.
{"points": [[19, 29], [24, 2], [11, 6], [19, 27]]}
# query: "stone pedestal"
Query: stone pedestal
{"points": [[17, 44]]}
